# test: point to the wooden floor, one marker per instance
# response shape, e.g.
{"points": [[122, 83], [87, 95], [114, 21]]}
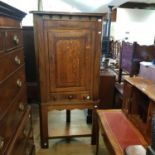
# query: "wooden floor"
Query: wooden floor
{"points": [[59, 127]]}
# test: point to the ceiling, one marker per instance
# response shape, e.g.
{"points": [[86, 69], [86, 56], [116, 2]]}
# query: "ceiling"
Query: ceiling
{"points": [[99, 5], [74, 5]]}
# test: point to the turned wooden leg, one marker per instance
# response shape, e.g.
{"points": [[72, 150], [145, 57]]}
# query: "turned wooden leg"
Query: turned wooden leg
{"points": [[44, 126]]}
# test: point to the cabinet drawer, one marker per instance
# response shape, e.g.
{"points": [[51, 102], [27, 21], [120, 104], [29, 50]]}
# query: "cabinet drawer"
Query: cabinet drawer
{"points": [[70, 96], [11, 120], [22, 142], [11, 61], [10, 88], [13, 39]]}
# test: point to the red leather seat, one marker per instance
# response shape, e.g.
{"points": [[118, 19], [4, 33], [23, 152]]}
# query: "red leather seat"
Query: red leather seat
{"points": [[119, 130]]}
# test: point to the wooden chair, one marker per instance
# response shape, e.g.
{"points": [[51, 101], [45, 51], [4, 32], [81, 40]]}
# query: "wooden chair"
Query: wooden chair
{"points": [[131, 56]]}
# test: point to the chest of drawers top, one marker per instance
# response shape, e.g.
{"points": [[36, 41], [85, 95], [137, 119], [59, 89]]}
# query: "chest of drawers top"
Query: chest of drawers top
{"points": [[10, 16]]}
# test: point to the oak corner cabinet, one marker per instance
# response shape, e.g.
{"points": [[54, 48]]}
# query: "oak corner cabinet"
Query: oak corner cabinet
{"points": [[68, 53], [16, 135]]}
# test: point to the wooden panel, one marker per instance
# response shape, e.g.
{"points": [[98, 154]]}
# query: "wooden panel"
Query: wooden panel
{"points": [[10, 122], [10, 88], [1, 41], [7, 22], [70, 63], [23, 142], [11, 61], [70, 24], [127, 97], [70, 96], [14, 39], [106, 89]]}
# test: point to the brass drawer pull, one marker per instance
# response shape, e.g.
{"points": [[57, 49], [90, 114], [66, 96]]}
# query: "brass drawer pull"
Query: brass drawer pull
{"points": [[21, 107], [16, 39], [1, 142], [17, 60], [88, 97], [19, 83]]}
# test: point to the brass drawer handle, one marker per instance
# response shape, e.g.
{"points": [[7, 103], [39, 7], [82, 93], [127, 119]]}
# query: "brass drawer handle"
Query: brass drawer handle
{"points": [[19, 83], [16, 39], [17, 60], [21, 107], [88, 97], [1, 142]]}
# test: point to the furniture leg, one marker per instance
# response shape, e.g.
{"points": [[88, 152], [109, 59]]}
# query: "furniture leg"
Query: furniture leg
{"points": [[97, 136], [44, 126], [94, 127], [68, 116]]}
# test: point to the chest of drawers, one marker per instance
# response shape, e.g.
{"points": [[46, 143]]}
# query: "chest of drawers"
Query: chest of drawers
{"points": [[15, 114]]}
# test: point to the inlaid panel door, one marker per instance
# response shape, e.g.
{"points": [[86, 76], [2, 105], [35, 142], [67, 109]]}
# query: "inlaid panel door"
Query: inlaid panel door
{"points": [[70, 60]]}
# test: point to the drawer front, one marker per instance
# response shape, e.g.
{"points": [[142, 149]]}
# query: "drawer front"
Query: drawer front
{"points": [[70, 96], [23, 143], [10, 88], [11, 120], [1, 41], [13, 39], [11, 61]]}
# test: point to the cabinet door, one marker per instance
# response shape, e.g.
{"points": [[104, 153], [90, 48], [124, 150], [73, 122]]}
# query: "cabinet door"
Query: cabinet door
{"points": [[70, 59]]}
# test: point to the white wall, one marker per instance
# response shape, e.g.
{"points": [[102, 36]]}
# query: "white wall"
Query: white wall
{"points": [[136, 24]]}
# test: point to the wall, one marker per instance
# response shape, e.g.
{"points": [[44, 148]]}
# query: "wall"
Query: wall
{"points": [[136, 24]]}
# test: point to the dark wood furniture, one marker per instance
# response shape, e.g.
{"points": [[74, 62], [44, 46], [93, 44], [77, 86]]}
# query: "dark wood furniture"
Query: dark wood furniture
{"points": [[132, 124], [15, 115], [30, 65], [68, 53], [131, 55], [139, 103], [106, 89]]}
